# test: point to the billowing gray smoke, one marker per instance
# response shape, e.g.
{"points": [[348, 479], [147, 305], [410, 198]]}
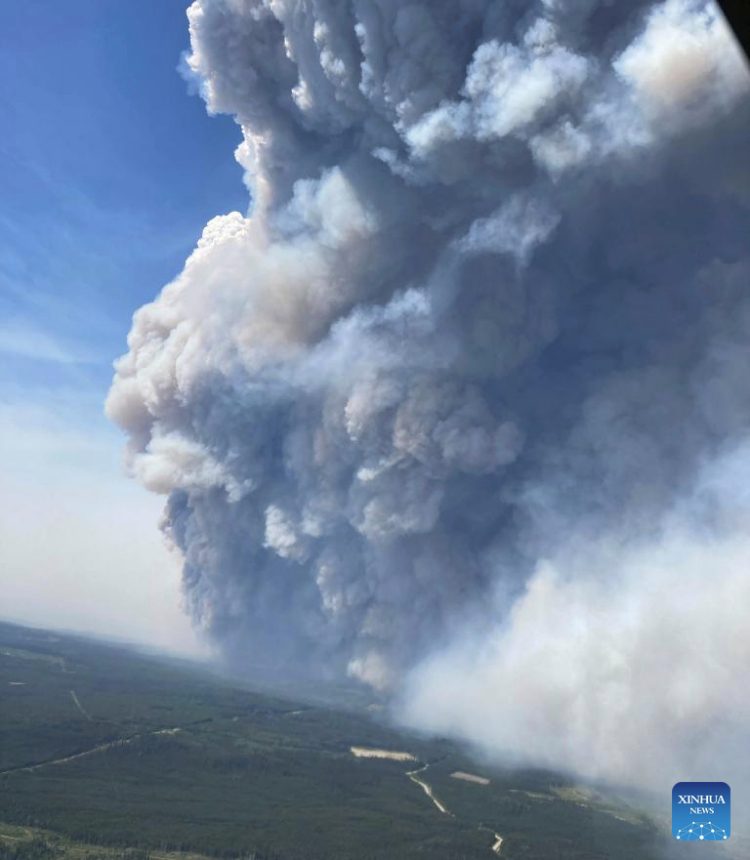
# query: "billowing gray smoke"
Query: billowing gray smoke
{"points": [[459, 408]]}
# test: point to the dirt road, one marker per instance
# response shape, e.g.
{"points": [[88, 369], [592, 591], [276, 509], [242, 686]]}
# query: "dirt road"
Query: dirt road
{"points": [[120, 742], [427, 789]]}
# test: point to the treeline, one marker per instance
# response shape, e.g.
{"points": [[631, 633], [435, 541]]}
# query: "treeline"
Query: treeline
{"points": [[39, 848], [30, 849]]}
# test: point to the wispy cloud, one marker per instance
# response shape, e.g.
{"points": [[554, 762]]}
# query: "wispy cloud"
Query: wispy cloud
{"points": [[24, 339]]}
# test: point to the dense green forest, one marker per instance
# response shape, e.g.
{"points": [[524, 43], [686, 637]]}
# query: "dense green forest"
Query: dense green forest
{"points": [[108, 754]]}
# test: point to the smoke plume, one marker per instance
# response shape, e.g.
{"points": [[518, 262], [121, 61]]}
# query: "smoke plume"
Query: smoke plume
{"points": [[460, 408]]}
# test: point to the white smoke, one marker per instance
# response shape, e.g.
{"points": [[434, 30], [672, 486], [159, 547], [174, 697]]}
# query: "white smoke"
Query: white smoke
{"points": [[623, 660], [434, 412]]}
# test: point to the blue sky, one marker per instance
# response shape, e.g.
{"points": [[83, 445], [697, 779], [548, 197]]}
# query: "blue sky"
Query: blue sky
{"points": [[109, 170]]}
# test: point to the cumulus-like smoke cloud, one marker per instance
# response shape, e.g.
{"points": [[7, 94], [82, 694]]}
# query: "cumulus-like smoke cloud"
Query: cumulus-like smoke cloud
{"points": [[449, 410]]}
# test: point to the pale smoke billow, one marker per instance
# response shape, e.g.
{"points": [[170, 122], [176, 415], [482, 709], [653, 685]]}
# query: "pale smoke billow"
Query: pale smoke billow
{"points": [[461, 408]]}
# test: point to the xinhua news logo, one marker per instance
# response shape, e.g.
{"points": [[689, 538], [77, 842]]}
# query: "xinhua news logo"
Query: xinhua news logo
{"points": [[701, 811]]}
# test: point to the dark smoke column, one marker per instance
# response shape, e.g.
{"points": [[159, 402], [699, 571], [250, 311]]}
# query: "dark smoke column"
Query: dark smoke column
{"points": [[490, 300]]}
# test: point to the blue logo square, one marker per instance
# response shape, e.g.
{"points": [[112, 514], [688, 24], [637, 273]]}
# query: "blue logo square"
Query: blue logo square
{"points": [[701, 811]]}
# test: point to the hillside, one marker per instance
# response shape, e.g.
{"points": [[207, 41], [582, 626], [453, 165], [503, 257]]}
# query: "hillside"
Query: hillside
{"points": [[107, 753]]}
